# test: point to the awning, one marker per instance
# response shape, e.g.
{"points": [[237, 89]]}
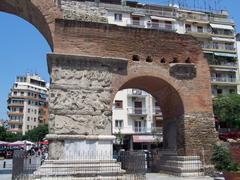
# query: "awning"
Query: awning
{"points": [[223, 39], [138, 14], [221, 26], [225, 54], [162, 18], [143, 138]]}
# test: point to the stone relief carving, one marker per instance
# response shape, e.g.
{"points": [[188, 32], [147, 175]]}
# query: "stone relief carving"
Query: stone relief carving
{"points": [[84, 11]]}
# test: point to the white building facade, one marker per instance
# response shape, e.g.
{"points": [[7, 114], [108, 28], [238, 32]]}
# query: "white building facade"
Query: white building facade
{"points": [[138, 118], [27, 104]]}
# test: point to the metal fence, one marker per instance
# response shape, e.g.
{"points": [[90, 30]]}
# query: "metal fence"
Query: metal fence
{"points": [[87, 165]]}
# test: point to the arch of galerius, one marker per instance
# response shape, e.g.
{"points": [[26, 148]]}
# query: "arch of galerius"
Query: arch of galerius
{"points": [[91, 61]]}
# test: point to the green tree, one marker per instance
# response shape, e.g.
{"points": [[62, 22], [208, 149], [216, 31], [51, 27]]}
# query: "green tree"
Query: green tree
{"points": [[227, 109], [8, 136], [36, 134]]}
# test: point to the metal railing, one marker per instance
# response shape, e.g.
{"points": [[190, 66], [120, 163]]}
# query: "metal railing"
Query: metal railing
{"points": [[161, 26], [136, 92], [157, 111], [223, 79], [223, 32], [198, 31], [136, 111], [218, 47], [136, 23], [221, 63], [221, 20], [195, 17], [139, 130]]}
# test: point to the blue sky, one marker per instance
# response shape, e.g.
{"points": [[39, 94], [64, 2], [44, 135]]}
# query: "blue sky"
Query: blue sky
{"points": [[23, 49]]}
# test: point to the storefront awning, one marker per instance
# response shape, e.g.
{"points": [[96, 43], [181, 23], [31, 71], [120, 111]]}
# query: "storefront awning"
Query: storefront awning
{"points": [[162, 18], [143, 138], [221, 26], [225, 54], [223, 39]]}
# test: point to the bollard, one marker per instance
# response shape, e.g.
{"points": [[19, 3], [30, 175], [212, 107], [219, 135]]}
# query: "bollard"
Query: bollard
{"points": [[4, 164]]}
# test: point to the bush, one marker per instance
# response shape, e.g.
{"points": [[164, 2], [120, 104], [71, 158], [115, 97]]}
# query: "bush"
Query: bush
{"points": [[222, 160]]}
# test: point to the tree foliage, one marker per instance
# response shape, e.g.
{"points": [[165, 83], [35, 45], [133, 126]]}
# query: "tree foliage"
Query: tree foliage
{"points": [[8, 136], [227, 109], [36, 134]]}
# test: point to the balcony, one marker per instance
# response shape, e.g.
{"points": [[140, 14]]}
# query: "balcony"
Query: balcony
{"points": [[221, 20], [15, 122], [223, 64], [145, 130], [161, 26], [161, 13], [136, 23], [15, 113], [136, 93], [219, 47], [15, 130], [224, 80], [199, 33], [137, 111], [223, 33], [157, 111], [195, 18]]}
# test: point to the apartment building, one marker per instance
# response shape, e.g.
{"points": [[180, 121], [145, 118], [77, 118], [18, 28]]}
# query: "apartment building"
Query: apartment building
{"points": [[27, 104], [138, 118]]}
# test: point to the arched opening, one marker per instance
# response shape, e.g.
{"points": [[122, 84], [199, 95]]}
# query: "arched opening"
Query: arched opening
{"points": [[24, 72], [149, 106]]}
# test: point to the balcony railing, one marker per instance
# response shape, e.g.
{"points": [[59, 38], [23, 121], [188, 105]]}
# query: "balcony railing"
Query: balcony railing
{"points": [[221, 63], [152, 130], [224, 79], [136, 111], [139, 130], [157, 111], [136, 92], [223, 32], [195, 17], [136, 23], [221, 47], [221, 20], [188, 29], [161, 26]]}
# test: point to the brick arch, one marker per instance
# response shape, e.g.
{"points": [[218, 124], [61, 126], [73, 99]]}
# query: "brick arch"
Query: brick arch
{"points": [[40, 13], [167, 96]]}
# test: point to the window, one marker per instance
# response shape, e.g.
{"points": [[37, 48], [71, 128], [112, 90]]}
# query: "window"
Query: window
{"points": [[232, 91], [139, 126], [118, 17], [188, 27], [35, 119], [27, 127], [22, 93], [28, 118], [29, 102], [28, 110], [35, 111], [15, 92], [118, 104], [200, 29], [219, 91], [118, 123]]}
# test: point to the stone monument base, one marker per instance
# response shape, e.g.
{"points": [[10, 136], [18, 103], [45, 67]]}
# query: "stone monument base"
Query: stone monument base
{"points": [[72, 170]]}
